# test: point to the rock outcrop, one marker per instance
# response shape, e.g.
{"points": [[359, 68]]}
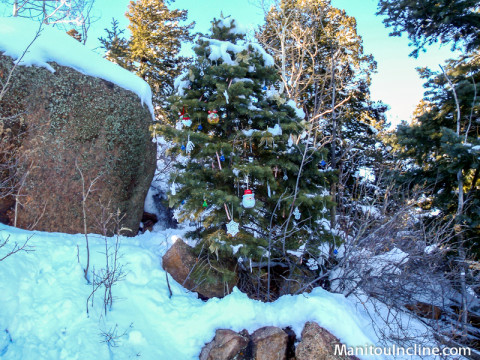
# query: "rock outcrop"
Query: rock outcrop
{"points": [[270, 343], [318, 344], [68, 127], [267, 343], [273, 343], [182, 264], [227, 344]]}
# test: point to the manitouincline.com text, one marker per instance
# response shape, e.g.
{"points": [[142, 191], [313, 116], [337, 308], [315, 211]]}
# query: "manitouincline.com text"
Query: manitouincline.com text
{"points": [[417, 350]]}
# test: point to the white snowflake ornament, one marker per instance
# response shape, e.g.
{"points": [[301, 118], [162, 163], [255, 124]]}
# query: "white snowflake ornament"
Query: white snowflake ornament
{"points": [[290, 141], [232, 228], [297, 213]]}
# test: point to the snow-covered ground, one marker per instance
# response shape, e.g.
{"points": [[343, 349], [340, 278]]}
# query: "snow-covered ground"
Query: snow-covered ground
{"points": [[43, 298]]}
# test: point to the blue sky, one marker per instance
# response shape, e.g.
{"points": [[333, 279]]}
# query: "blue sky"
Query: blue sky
{"points": [[396, 83]]}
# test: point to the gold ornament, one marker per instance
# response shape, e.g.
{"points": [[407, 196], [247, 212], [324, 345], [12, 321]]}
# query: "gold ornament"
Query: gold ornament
{"points": [[279, 99], [213, 117], [243, 57]]}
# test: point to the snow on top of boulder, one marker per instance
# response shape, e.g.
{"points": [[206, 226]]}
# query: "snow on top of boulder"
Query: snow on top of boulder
{"points": [[53, 45]]}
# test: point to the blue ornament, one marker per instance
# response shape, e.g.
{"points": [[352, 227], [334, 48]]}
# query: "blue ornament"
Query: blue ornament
{"points": [[200, 127], [222, 158], [183, 202], [183, 147], [323, 163], [335, 251], [265, 88]]}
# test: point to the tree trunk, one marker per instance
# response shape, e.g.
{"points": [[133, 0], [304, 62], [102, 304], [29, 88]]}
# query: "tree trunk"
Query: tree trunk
{"points": [[333, 187]]}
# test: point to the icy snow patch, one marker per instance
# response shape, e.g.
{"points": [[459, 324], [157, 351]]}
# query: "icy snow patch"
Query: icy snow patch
{"points": [[275, 131], [298, 111], [54, 45], [388, 262]]}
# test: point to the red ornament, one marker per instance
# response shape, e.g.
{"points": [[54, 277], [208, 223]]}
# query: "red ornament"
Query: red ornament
{"points": [[213, 117], [248, 200], [185, 118]]}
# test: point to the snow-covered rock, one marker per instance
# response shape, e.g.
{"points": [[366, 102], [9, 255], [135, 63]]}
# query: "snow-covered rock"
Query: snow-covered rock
{"points": [[18, 40]]}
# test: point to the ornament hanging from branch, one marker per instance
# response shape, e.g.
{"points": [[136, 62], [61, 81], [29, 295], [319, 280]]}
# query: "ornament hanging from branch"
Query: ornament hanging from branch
{"points": [[185, 118], [225, 93], [248, 200], [190, 146], [290, 141], [172, 188], [243, 57], [232, 228], [213, 117], [279, 99], [297, 213]]}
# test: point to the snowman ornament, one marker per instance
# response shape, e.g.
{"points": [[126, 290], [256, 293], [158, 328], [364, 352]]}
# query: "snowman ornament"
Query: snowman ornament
{"points": [[248, 200]]}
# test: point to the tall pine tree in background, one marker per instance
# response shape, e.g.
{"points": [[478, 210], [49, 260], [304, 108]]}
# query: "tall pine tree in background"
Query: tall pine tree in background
{"points": [[429, 21], [320, 59], [441, 144], [152, 51], [436, 154], [250, 164]]}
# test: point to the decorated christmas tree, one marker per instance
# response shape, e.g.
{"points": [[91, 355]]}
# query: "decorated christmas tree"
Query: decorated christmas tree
{"points": [[248, 168]]}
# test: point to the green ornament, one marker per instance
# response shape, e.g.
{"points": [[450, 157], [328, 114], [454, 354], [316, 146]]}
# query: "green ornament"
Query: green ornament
{"points": [[205, 203]]}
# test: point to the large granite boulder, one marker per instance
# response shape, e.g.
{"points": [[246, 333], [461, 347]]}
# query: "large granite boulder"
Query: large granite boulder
{"points": [[273, 343], [66, 126]]}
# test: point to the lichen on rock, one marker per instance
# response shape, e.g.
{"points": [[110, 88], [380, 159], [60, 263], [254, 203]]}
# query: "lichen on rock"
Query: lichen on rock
{"points": [[77, 123]]}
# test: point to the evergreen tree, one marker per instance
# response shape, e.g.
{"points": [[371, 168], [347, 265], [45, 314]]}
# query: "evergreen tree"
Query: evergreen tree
{"points": [[437, 147], [320, 58], [237, 134], [429, 21], [152, 51], [117, 47]]}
